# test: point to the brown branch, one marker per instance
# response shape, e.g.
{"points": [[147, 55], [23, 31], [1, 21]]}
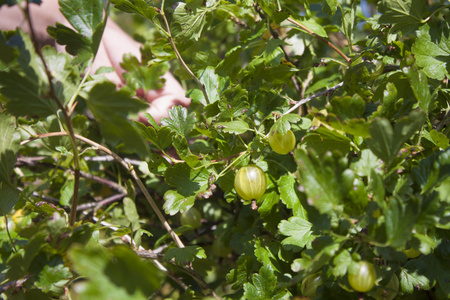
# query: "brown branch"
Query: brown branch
{"points": [[347, 59], [99, 204], [303, 101]]}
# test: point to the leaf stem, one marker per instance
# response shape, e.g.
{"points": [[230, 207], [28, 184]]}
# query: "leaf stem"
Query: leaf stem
{"points": [[9, 235], [70, 105], [347, 59], [243, 154]]}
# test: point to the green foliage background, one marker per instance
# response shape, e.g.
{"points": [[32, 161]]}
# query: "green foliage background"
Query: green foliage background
{"points": [[362, 84]]}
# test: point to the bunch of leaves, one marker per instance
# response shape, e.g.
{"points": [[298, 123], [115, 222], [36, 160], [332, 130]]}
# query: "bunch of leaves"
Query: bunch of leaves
{"points": [[368, 180]]}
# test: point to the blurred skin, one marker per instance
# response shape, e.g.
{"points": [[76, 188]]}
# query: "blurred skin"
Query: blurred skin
{"points": [[115, 43]]}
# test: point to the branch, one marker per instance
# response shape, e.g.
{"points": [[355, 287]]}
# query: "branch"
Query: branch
{"points": [[99, 204], [303, 101], [54, 96], [130, 169], [320, 38]]}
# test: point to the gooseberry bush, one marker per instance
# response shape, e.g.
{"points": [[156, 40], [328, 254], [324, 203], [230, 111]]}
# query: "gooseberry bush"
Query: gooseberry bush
{"points": [[92, 201]]}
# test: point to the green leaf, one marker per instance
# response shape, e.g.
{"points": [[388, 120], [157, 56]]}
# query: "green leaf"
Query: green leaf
{"points": [[213, 85], [113, 110], [87, 19], [419, 85], [240, 275], [366, 164], [341, 262], [233, 102], [75, 44], [439, 139], [65, 75], [179, 121], [140, 7], [67, 192], [324, 139], [348, 107], [191, 22], [84, 15], [187, 181], [184, 255], [52, 124], [432, 50], [315, 27], [298, 231], [356, 127], [330, 6], [174, 202], [390, 99], [140, 76], [385, 141], [231, 64], [237, 127], [400, 220], [432, 171], [413, 276], [9, 145], [180, 143], [283, 124], [265, 254], [9, 196], [357, 76], [349, 22], [52, 274], [401, 15], [319, 181], [264, 286], [117, 273], [129, 208], [161, 138], [267, 6], [24, 95], [273, 53], [286, 188]]}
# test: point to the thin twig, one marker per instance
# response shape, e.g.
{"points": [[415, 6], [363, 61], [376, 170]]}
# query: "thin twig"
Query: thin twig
{"points": [[104, 181], [347, 59], [101, 203], [67, 119], [46, 198], [443, 121], [110, 158], [303, 101]]}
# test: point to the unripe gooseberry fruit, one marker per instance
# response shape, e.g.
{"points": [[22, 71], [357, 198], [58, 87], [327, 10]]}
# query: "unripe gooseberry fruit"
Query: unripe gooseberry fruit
{"points": [[250, 182], [362, 277], [282, 143], [191, 217]]}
